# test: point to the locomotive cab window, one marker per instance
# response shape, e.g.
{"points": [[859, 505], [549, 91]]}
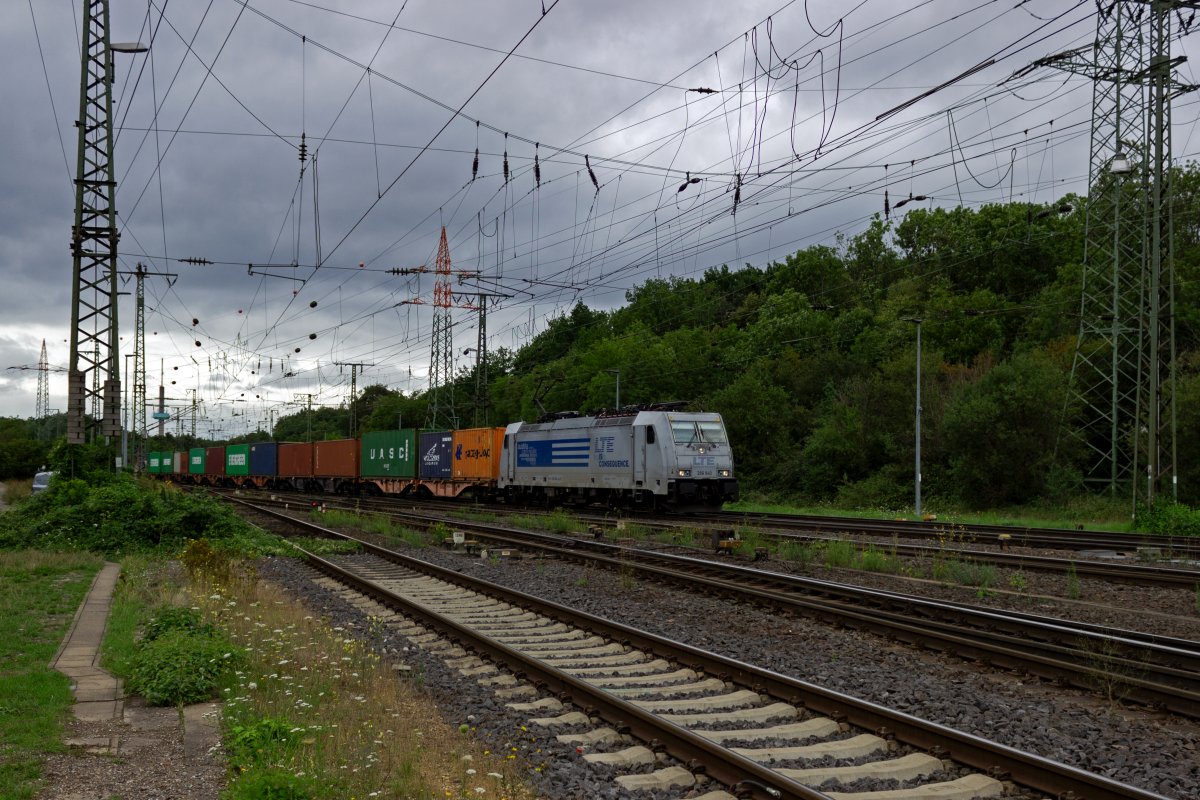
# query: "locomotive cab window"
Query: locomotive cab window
{"points": [[649, 435], [691, 432]]}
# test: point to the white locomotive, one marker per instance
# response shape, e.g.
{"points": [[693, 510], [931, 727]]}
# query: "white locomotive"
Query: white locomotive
{"points": [[650, 457]]}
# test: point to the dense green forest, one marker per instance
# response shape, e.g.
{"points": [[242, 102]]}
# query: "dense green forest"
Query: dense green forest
{"points": [[812, 359]]}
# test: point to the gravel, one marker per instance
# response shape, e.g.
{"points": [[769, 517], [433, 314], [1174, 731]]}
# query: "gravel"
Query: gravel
{"points": [[1157, 752]]}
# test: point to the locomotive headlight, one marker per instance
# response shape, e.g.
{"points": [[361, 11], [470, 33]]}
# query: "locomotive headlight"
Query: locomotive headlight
{"points": [[684, 473], [725, 473]]}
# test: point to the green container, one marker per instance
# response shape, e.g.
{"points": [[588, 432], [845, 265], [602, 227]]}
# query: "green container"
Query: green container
{"points": [[389, 454], [164, 463], [237, 459], [152, 463], [196, 461]]}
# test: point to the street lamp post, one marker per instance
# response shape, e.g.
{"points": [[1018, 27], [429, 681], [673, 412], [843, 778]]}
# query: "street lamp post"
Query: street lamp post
{"points": [[917, 468], [616, 372]]}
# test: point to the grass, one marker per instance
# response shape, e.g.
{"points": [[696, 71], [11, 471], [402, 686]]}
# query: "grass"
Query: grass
{"points": [[964, 573], [317, 713], [146, 582], [368, 523], [1096, 513], [39, 594], [16, 490], [557, 521], [844, 554]]}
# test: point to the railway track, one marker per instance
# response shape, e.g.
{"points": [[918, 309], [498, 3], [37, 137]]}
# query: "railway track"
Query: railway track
{"points": [[1080, 539], [1041, 538], [1162, 672], [660, 712], [1182, 576]]}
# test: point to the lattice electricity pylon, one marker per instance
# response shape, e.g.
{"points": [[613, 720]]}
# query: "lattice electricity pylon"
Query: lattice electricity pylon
{"points": [[1112, 375], [1104, 373], [42, 406], [141, 431], [94, 349], [439, 412], [1155, 432]]}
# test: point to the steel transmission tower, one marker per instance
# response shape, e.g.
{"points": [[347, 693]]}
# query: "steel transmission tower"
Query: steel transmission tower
{"points": [[42, 406], [1126, 341], [141, 431], [440, 411], [94, 377]]}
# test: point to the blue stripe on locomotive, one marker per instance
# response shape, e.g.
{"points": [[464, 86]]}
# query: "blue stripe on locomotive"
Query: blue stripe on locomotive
{"points": [[554, 453]]}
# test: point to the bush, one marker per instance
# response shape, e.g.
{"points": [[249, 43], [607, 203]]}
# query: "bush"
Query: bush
{"points": [[167, 619], [271, 784], [116, 514], [259, 742], [180, 667], [1174, 519]]}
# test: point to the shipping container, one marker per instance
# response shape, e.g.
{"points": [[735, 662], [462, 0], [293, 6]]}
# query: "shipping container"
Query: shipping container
{"points": [[477, 453], [389, 454], [264, 459], [214, 460], [179, 460], [196, 461], [237, 459], [295, 459], [152, 463], [435, 454], [337, 458]]}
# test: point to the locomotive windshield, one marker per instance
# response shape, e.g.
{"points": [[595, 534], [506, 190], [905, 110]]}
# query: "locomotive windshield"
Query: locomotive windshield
{"points": [[693, 432]]}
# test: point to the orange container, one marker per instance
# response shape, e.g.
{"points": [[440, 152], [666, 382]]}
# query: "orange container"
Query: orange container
{"points": [[295, 459], [337, 458], [475, 454]]}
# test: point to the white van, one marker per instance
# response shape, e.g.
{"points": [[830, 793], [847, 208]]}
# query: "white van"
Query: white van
{"points": [[41, 481]]}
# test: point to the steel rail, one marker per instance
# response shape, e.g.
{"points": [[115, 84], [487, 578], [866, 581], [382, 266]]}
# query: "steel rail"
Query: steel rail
{"points": [[1138, 574], [1027, 536], [747, 777], [998, 760], [1048, 647]]}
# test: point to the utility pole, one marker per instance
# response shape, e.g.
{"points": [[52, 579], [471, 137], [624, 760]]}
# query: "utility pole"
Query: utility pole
{"points": [[354, 366], [195, 406], [479, 302], [1125, 350], [309, 398], [94, 242], [139, 359]]}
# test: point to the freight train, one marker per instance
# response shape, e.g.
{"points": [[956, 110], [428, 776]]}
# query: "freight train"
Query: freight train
{"points": [[650, 457]]}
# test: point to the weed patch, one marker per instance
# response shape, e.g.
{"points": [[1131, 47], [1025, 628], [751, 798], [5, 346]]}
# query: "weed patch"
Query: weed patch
{"points": [[315, 713], [39, 593]]}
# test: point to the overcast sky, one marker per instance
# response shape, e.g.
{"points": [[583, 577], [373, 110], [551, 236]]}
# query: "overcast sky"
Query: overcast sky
{"points": [[372, 86]]}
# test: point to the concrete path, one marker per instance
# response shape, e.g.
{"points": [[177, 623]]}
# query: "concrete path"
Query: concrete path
{"points": [[100, 698], [98, 694]]}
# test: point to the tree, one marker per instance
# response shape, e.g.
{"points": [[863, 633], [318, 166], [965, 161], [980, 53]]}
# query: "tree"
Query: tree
{"points": [[999, 431]]}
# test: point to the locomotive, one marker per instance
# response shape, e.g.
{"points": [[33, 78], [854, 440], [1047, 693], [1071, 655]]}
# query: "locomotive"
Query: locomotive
{"points": [[654, 457], [646, 457]]}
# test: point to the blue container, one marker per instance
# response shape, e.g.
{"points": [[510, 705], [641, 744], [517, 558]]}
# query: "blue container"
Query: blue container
{"points": [[264, 459], [435, 455]]}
